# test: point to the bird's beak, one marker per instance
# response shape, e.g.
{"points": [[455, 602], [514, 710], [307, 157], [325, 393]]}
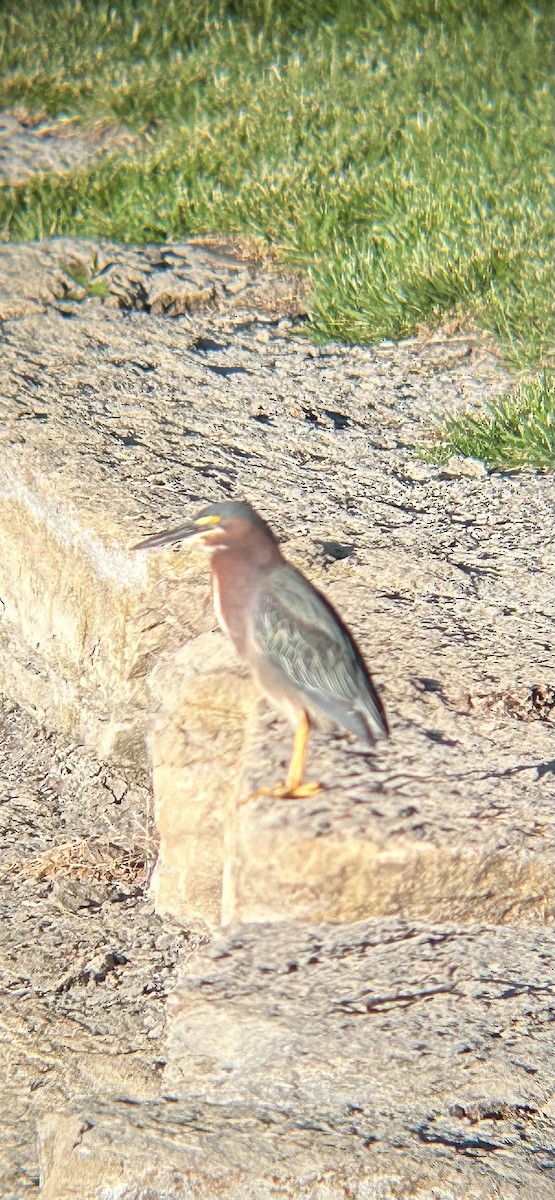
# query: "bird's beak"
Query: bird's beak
{"points": [[168, 536]]}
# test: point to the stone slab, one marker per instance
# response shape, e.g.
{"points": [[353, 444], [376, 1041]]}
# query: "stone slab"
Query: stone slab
{"points": [[117, 419], [379, 1061]]}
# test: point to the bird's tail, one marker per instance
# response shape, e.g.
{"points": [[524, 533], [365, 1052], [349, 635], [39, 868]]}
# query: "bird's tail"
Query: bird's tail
{"points": [[373, 717]]}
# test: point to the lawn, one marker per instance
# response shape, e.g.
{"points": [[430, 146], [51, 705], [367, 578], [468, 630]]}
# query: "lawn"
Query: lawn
{"points": [[399, 152]]}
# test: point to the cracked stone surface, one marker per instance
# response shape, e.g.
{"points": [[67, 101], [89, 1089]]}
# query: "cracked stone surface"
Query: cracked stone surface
{"points": [[443, 577], [85, 963], [376, 1060], [135, 386]]}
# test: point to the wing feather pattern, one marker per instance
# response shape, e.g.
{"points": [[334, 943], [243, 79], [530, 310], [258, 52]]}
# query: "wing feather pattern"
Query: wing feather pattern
{"points": [[300, 633]]}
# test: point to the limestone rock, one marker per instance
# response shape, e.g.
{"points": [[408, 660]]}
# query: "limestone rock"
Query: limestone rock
{"points": [[290, 1050], [459, 467], [382, 1059], [379, 1037], [81, 616], [202, 707], [116, 423]]}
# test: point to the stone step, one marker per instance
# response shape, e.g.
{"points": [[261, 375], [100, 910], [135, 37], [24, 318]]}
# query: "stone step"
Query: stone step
{"points": [[117, 421], [82, 617], [382, 1059], [429, 828]]}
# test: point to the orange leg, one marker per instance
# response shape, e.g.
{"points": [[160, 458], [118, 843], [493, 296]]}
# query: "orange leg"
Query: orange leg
{"points": [[294, 788], [294, 781]]}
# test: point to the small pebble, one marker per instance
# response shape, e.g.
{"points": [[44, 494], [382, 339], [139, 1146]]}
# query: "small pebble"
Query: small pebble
{"points": [[417, 472], [463, 468]]}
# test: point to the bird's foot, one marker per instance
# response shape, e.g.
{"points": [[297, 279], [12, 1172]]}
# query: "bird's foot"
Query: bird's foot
{"points": [[283, 792], [302, 792]]}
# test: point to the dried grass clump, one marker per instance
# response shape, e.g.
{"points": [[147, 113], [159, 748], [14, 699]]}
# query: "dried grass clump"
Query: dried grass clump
{"points": [[96, 860]]}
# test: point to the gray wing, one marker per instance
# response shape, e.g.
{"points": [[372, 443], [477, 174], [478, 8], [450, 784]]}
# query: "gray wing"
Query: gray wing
{"points": [[300, 633]]}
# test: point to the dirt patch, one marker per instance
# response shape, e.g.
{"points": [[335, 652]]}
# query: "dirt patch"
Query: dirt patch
{"points": [[31, 144]]}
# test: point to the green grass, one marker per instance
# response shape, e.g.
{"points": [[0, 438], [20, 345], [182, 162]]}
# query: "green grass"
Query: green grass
{"points": [[518, 430], [398, 151]]}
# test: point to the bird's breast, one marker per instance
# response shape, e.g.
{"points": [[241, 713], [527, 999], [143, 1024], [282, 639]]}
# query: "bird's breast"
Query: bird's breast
{"points": [[218, 605], [233, 592]]}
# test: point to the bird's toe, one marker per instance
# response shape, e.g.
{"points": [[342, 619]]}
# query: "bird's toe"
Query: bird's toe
{"points": [[283, 792], [303, 791]]}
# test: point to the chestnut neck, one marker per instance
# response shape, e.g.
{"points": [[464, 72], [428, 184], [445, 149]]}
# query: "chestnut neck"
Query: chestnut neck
{"points": [[237, 575]]}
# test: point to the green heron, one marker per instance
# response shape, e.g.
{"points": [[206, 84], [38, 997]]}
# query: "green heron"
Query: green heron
{"points": [[302, 656]]}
